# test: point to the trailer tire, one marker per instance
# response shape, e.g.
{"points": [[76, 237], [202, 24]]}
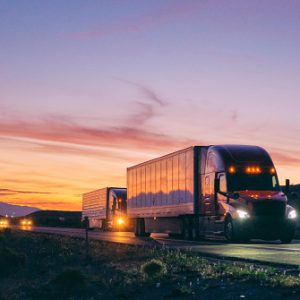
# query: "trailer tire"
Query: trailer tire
{"points": [[139, 228]]}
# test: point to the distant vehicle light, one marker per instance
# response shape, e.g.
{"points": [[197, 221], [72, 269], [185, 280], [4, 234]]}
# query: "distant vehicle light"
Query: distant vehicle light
{"points": [[242, 214], [292, 214], [120, 221], [232, 170], [26, 222], [3, 222]]}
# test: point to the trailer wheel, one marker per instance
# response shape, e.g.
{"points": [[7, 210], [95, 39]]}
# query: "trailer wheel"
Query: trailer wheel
{"points": [[228, 230], [139, 228]]}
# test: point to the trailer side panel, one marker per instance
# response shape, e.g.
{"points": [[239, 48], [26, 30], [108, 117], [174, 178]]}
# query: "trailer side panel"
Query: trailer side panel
{"points": [[163, 187]]}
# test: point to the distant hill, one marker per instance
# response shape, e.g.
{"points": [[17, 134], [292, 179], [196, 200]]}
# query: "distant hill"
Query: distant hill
{"points": [[57, 218], [15, 210]]}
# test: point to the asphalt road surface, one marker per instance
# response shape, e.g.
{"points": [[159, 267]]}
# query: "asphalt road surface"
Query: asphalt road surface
{"points": [[260, 251]]}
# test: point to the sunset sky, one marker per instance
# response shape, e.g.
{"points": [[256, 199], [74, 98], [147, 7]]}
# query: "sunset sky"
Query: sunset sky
{"points": [[88, 88]]}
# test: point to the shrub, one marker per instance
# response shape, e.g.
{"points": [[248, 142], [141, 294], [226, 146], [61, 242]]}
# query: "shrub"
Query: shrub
{"points": [[154, 268], [10, 261], [69, 281]]}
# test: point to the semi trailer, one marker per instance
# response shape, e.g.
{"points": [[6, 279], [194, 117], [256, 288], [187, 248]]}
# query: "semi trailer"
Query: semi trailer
{"points": [[105, 208], [229, 191]]}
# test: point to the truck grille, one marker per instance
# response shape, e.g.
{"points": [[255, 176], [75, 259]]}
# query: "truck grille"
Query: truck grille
{"points": [[269, 208]]}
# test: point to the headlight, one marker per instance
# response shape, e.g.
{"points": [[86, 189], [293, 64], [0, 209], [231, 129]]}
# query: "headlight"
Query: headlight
{"points": [[120, 221], [292, 214], [242, 214]]}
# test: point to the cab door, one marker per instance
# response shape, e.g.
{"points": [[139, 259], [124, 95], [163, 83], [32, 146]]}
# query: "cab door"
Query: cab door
{"points": [[209, 204], [220, 204]]}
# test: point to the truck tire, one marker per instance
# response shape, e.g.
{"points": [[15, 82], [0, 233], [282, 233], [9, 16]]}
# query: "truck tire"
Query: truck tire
{"points": [[287, 234], [139, 228]]}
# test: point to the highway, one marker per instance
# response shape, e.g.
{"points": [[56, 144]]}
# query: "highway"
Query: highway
{"points": [[259, 251]]}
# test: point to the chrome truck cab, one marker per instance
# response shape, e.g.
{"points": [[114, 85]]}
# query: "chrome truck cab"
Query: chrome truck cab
{"points": [[241, 196]]}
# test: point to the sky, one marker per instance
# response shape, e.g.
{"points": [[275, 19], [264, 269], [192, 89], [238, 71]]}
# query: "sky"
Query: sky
{"points": [[89, 88]]}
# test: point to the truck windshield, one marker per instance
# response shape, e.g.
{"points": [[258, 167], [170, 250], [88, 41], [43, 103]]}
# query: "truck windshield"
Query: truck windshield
{"points": [[257, 182]]}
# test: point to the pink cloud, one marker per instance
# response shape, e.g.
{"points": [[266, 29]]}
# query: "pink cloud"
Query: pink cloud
{"points": [[67, 131], [284, 159]]}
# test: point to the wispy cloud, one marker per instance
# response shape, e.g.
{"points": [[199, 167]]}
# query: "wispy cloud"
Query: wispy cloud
{"points": [[284, 159], [150, 104], [17, 192], [64, 133], [147, 92], [68, 131], [176, 10]]}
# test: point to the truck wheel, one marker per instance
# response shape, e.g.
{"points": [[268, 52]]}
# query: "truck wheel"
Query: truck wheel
{"points": [[139, 228], [228, 230], [287, 234], [286, 240]]}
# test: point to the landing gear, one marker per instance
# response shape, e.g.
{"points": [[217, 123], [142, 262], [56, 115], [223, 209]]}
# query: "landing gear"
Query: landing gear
{"points": [[189, 231], [139, 228]]}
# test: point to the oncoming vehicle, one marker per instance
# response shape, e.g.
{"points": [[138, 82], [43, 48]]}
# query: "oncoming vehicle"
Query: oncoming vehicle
{"points": [[210, 191], [26, 222], [4, 222]]}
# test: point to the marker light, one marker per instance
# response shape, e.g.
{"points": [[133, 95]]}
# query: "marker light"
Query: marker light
{"points": [[253, 170], [120, 221], [292, 214], [272, 170], [231, 170], [242, 214]]}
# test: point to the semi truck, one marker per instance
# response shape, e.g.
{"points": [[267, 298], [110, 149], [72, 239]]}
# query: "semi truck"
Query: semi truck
{"points": [[105, 208], [227, 191]]}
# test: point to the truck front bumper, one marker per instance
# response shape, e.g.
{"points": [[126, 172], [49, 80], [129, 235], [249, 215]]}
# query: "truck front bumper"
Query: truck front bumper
{"points": [[267, 228]]}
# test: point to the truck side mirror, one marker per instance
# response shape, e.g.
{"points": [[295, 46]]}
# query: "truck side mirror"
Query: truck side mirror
{"points": [[217, 185], [287, 186]]}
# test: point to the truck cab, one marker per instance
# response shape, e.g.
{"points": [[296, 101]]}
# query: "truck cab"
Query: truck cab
{"points": [[241, 197]]}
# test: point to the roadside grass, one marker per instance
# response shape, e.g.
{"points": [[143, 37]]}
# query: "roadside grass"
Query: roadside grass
{"points": [[42, 266]]}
